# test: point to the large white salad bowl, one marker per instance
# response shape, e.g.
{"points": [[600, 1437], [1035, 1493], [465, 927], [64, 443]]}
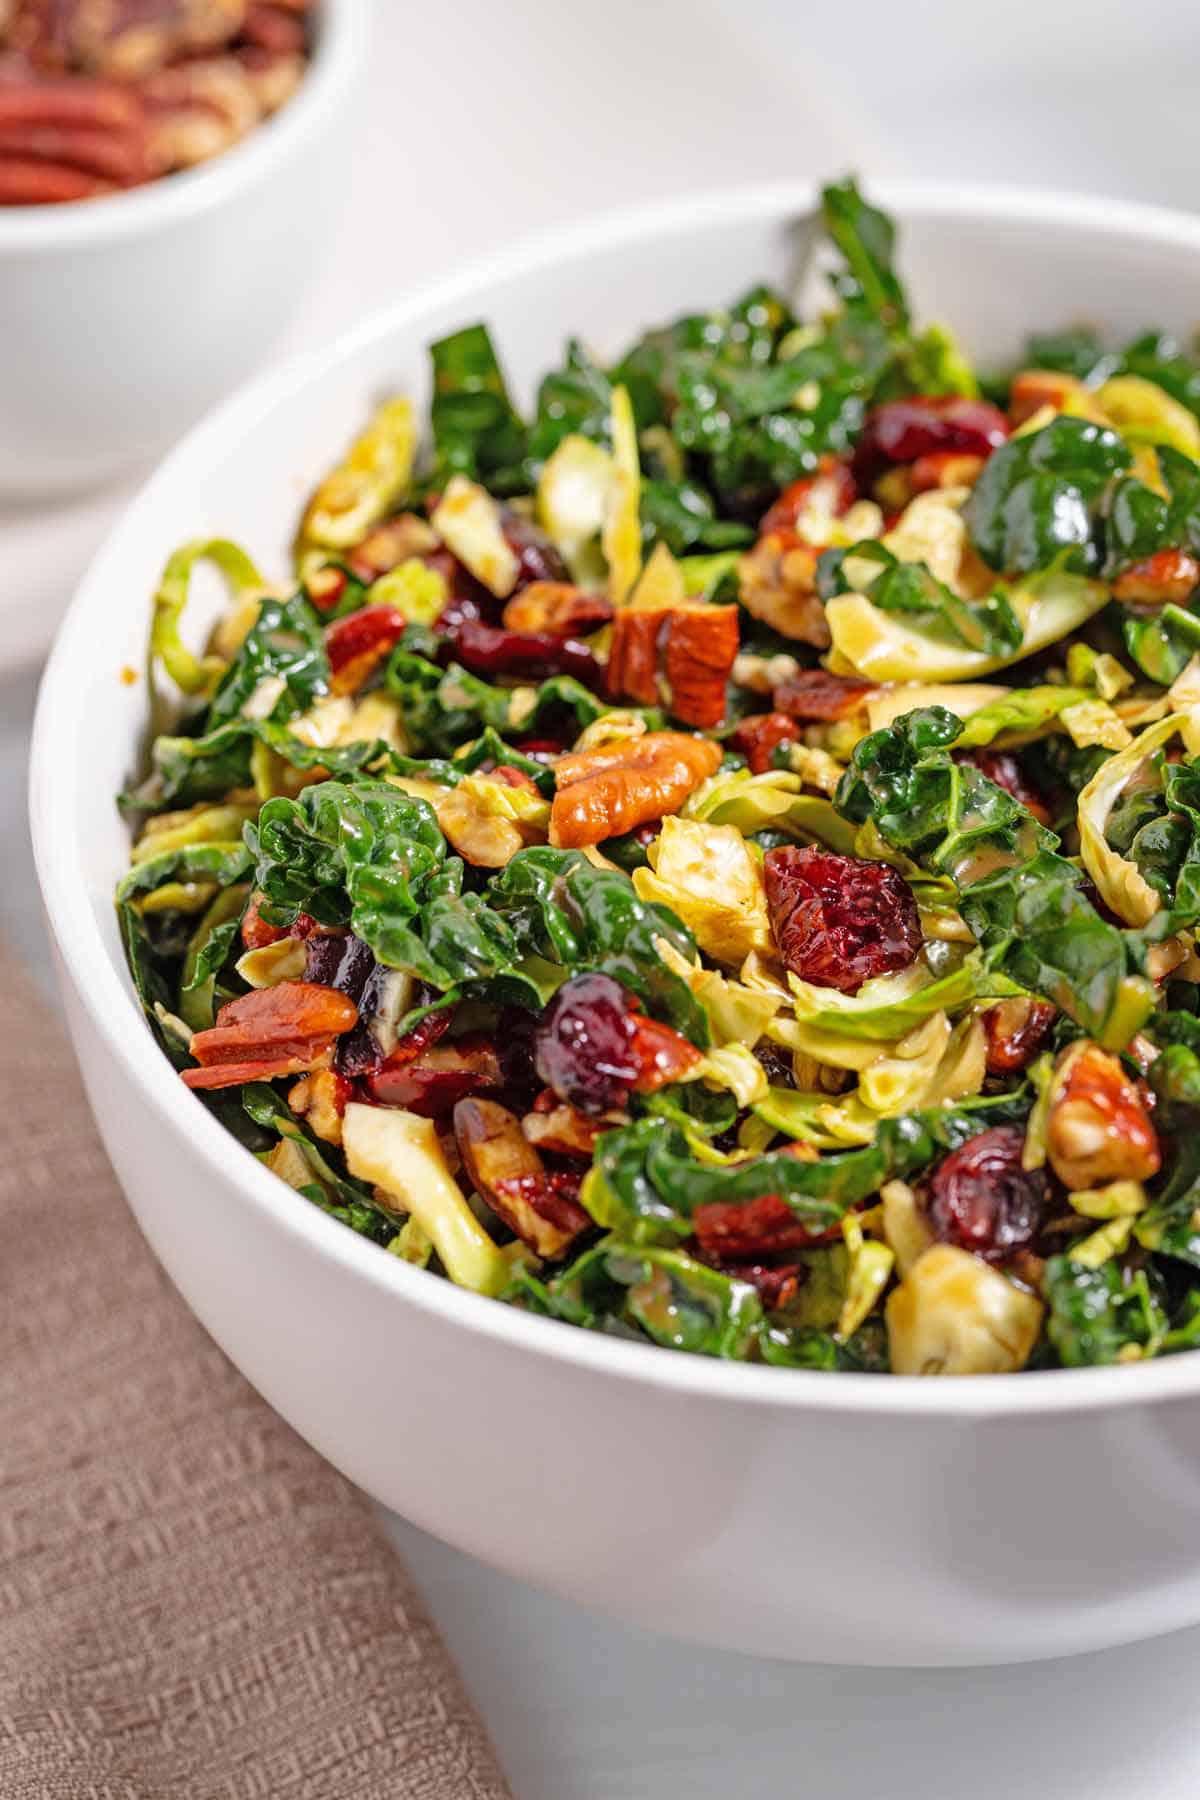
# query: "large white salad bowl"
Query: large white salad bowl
{"points": [[839, 1518]]}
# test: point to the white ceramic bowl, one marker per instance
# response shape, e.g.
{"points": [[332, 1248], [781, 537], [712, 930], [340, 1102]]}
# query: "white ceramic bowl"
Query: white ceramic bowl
{"points": [[123, 319], [839, 1518]]}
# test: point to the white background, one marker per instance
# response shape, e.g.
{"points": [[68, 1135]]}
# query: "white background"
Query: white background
{"points": [[481, 123]]}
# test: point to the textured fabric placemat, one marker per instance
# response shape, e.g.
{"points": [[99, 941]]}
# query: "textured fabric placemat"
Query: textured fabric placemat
{"points": [[193, 1606]]}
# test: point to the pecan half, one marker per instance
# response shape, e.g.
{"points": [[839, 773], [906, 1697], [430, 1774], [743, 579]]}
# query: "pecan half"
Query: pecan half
{"points": [[511, 1176], [557, 608], [1098, 1129], [681, 657], [1015, 1031], [281, 1030], [606, 792]]}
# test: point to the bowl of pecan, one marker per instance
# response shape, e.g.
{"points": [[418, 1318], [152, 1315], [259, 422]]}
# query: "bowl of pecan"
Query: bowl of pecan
{"points": [[164, 166], [653, 984]]}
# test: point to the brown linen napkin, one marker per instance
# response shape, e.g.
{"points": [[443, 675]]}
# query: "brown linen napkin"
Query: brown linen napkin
{"points": [[193, 1606]]}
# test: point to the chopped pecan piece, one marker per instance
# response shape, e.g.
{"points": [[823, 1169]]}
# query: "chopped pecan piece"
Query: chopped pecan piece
{"points": [[1015, 1031], [1168, 575], [817, 696], [510, 1175], [750, 1228], [777, 583], [433, 1082], [558, 608], [1032, 389], [1098, 1129], [257, 934], [281, 1030], [557, 1126], [692, 648], [321, 1098], [392, 543], [759, 738], [606, 792], [813, 500]]}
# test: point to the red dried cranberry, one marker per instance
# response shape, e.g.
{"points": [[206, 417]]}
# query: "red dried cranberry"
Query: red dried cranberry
{"points": [[490, 650], [583, 1045], [902, 430], [760, 737], [537, 558], [817, 696], [542, 749], [338, 959], [354, 644], [982, 1200], [1002, 767], [839, 921]]}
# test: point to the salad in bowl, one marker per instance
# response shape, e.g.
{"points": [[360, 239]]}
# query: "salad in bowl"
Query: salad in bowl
{"points": [[717, 861]]}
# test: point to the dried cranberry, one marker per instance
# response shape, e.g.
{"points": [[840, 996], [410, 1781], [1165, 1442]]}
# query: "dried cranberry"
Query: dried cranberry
{"points": [[355, 644], [338, 959], [839, 921], [760, 737], [982, 1200], [583, 1045], [537, 558], [515, 1031], [542, 749], [1002, 767], [490, 650], [776, 1062], [902, 430]]}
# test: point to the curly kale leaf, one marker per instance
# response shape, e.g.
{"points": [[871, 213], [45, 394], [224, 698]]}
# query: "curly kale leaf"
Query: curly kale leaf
{"points": [[646, 1183], [1039, 499], [185, 770], [285, 647], [476, 429], [444, 708], [1022, 900], [1094, 1314], [574, 400], [559, 906], [988, 625], [644, 1291]]}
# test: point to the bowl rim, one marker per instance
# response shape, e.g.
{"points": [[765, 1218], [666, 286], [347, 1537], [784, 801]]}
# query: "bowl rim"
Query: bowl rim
{"points": [[337, 54], [114, 1014]]}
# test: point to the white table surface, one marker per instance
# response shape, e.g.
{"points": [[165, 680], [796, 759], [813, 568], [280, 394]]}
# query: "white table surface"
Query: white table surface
{"points": [[523, 115]]}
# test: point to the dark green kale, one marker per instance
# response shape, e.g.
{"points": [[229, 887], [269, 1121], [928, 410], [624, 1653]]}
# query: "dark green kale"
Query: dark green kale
{"points": [[1094, 1314], [1023, 901], [646, 1182], [476, 429], [284, 647], [1039, 501]]}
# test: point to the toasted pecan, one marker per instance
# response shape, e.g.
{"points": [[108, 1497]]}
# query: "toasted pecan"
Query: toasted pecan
{"points": [[556, 607], [606, 792]]}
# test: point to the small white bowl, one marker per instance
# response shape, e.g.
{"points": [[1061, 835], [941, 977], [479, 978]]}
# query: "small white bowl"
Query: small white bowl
{"points": [[837, 1518], [123, 319]]}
